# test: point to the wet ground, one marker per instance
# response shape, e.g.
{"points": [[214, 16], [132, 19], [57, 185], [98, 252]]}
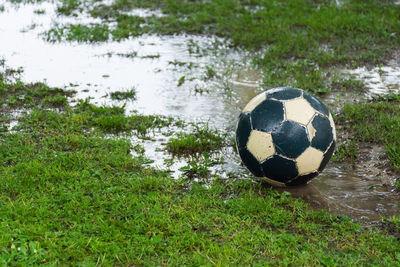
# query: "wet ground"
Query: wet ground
{"points": [[380, 80], [194, 78]]}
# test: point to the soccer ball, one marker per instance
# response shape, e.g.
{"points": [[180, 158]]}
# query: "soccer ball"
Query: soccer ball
{"points": [[285, 136]]}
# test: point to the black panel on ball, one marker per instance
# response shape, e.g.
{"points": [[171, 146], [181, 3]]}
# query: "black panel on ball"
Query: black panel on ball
{"points": [[279, 169], [267, 115], [303, 179], [251, 162], [327, 156], [283, 93], [324, 133], [290, 139], [243, 130], [316, 103]]}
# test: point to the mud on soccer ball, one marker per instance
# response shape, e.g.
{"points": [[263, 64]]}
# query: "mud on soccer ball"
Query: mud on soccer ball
{"points": [[285, 136]]}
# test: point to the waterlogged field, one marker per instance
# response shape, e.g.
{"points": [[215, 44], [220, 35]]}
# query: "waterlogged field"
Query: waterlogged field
{"points": [[117, 121]]}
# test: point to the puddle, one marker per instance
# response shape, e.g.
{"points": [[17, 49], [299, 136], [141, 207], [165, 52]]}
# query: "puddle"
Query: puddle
{"points": [[363, 191], [153, 65], [97, 70], [379, 80], [194, 78]]}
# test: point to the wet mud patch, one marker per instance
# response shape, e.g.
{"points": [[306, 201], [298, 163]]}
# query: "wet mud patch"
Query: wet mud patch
{"points": [[364, 189], [374, 163]]}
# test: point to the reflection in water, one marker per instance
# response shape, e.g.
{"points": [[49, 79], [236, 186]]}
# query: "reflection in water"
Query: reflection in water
{"points": [[97, 70]]}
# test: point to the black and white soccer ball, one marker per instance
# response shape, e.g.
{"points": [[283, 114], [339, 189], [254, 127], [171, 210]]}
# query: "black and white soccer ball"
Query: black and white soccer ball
{"points": [[285, 136]]}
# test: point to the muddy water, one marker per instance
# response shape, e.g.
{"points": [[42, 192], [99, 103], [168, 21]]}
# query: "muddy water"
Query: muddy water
{"points": [[363, 191], [156, 67]]}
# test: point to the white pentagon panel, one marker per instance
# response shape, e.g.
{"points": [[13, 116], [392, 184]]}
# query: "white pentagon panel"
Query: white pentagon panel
{"points": [[260, 145], [309, 161], [333, 126], [254, 102], [299, 110]]}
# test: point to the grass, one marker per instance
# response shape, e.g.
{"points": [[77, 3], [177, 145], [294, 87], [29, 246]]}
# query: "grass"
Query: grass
{"points": [[82, 199], [81, 33], [300, 39], [202, 139], [348, 84], [113, 120], [151, 56], [40, 11], [392, 225], [18, 95], [72, 194], [377, 121], [124, 95], [300, 26], [347, 150], [131, 54], [198, 167]]}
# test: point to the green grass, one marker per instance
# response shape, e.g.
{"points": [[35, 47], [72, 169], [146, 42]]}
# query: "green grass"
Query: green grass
{"points": [[71, 197], [40, 11], [81, 33], [75, 197], [392, 225], [124, 95], [18, 95], [113, 119], [347, 150], [131, 54], [300, 39], [288, 28], [348, 84], [377, 121], [72, 194], [151, 56], [199, 167], [202, 139]]}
